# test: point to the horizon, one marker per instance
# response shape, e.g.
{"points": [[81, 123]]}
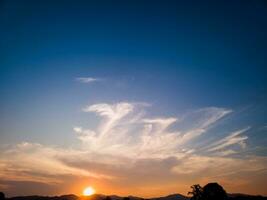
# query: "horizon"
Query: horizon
{"points": [[132, 97], [129, 195]]}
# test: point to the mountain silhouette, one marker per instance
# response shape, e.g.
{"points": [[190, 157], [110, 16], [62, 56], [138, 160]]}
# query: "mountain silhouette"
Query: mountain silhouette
{"points": [[115, 197]]}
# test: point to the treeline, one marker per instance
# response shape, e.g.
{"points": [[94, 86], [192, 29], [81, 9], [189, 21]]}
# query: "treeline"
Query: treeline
{"points": [[214, 191]]}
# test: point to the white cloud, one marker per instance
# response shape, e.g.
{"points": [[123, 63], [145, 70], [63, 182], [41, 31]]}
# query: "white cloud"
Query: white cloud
{"points": [[115, 111], [88, 79], [124, 130], [112, 114], [127, 141], [232, 139], [200, 121]]}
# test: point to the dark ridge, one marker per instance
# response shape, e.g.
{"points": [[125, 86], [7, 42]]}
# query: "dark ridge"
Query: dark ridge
{"points": [[171, 197], [115, 197], [245, 197]]}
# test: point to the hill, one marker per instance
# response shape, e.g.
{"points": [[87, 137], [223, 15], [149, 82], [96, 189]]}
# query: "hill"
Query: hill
{"points": [[115, 197]]}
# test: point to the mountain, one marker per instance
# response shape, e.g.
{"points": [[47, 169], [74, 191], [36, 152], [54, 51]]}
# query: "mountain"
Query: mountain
{"points": [[98, 197], [115, 197], [245, 197], [63, 197], [171, 197]]}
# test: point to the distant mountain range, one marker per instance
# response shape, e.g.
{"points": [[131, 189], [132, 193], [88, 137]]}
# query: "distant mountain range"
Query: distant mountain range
{"points": [[115, 197]]}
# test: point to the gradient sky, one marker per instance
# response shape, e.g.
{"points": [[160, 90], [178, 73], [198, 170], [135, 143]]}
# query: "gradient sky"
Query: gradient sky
{"points": [[132, 97]]}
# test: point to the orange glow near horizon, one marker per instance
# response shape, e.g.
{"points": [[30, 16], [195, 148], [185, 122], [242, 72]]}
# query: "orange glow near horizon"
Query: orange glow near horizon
{"points": [[88, 191]]}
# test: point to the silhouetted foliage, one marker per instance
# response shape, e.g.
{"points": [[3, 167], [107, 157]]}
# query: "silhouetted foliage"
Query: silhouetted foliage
{"points": [[2, 196], [107, 198], [196, 193], [126, 198], [211, 191]]}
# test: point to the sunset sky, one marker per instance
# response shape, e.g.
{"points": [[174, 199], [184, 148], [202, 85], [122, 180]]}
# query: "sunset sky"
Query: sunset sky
{"points": [[133, 97]]}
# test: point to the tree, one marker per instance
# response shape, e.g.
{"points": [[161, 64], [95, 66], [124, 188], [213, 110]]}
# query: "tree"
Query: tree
{"points": [[196, 192], [2, 196], [211, 191]]}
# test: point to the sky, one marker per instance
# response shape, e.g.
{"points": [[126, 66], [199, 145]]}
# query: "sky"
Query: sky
{"points": [[140, 98]]}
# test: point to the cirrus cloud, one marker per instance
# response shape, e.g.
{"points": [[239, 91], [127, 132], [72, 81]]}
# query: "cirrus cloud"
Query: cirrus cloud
{"points": [[127, 141], [88, 79]]}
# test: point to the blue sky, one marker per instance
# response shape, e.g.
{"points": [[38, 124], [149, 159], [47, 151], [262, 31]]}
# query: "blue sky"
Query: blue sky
{"points": [[201, 63]]}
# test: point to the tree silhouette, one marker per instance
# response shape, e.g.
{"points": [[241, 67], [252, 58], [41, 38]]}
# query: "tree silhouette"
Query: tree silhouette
{"points": [[211, 191], [196, 193], [2, 196]]}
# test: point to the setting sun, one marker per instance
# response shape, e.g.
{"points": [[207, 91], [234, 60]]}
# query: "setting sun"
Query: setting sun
{"points": [[88, 191]]}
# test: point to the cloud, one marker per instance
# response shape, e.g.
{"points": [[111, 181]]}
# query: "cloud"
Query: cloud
{"points": [[124, 130], [226, 152], [127, 141], [230, 140], [200, 121], [35, 162], [21, 188], [115, 111], [88, 79], [214, 166]]}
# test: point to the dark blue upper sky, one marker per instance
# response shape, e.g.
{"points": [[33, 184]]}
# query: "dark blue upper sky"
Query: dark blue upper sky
{"points": [[177, 55]]}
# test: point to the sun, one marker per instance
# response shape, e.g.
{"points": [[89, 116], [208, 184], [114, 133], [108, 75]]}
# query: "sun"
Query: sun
{"points": [[88, 191]]}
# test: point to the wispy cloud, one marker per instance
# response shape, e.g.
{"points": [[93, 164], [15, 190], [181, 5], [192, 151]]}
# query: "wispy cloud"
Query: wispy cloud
{"points": [[207, 166], [124, 126], [22, 162], [230, 140], [127, 141], [88, 79]]}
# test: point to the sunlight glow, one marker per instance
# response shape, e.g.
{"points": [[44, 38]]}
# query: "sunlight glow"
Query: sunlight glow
{"points": [[88, 191]]}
